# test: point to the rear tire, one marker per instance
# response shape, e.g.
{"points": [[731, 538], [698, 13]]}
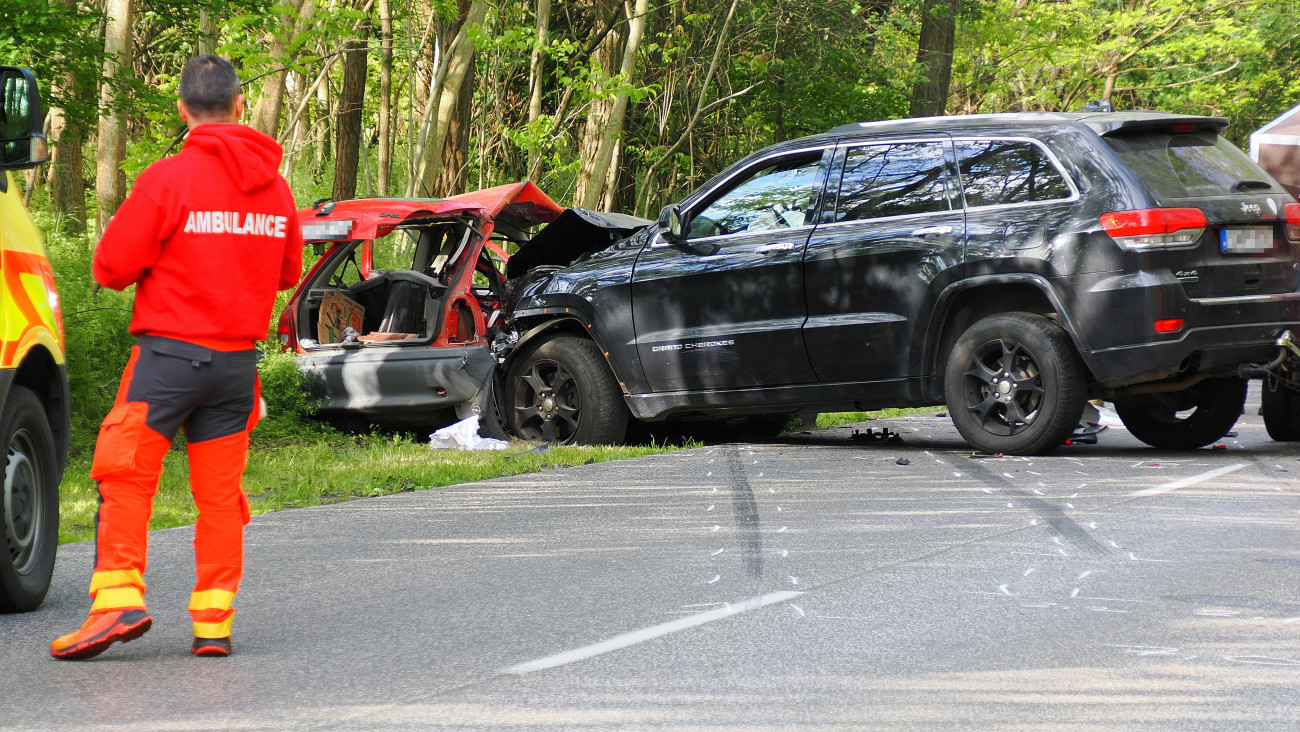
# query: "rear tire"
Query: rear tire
{"points": [[561, 390], [1015, 385], [29, 502], [1156, 420], [1280, 405]]}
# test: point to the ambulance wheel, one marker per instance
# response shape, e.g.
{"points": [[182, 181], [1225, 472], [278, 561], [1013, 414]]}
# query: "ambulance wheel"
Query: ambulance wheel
{"points": [[29, 509]]}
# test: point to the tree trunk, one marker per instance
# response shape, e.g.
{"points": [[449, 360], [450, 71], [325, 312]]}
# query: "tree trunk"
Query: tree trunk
{"points": [[460, 57], [934, 52], [605, 128], [454, 176], [535, 78], [266, 114], [207, 40], [385, 97], [323, 105], [347, 141], [110, 181], [67, 177]]}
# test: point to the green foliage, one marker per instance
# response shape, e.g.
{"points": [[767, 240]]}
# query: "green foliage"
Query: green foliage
{"points": [[95, 324], [288, 407], [56, 41], [1215, 57], [843, 419]]}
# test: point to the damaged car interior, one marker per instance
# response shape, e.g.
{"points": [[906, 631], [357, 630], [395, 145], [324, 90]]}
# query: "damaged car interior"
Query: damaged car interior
{"points": [[396, 287], [392, 325]]}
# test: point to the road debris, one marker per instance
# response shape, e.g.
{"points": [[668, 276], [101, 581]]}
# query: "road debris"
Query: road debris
{"points": [[885, 435], [464, 435], [541, 449]]}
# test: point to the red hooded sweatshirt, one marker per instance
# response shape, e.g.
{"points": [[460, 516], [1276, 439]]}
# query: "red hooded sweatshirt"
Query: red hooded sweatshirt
{"points": [[208, 236]]}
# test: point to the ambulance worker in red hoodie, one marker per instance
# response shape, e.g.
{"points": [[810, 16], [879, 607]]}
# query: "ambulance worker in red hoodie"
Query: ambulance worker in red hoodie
{"points": [[207, 237]]}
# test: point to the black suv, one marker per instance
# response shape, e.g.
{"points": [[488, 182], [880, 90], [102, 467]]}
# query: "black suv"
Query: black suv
{"points": [[1009, 266]]}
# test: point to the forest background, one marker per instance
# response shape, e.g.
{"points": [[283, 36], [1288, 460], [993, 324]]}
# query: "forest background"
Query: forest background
{"points": [[622, 105]]}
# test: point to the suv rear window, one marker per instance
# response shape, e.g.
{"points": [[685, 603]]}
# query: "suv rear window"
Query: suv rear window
{"points": [[892, 180], [995, 172], [1186, 165]]}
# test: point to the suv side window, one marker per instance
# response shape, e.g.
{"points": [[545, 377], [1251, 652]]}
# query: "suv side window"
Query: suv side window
{"points": [[892, 180], [996, 172], [780, 194]]}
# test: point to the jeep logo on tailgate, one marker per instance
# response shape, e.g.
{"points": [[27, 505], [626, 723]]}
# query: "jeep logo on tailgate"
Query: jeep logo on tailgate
{"points": [[1250, 208]]}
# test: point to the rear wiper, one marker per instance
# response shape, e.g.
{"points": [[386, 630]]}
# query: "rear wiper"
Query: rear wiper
{"points": [[1249, 183]]}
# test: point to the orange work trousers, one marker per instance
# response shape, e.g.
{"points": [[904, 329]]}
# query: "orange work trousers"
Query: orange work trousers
{"points": [[213, 394]]}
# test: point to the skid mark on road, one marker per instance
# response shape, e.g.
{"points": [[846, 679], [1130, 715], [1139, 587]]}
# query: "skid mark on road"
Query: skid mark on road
{"points": [[1063, 525]]}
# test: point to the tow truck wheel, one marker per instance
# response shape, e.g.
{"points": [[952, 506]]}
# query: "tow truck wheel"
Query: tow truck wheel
{"points": [[561, 391], [1015, 384], [1280, 405], [1187, 419], [29, 502]]}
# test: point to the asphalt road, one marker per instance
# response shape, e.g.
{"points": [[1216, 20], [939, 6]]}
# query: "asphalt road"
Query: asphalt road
{"points": [[807, 584]]}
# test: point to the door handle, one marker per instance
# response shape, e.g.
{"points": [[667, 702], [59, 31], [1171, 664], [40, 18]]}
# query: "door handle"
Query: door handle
{"points": [[925, 231], [777, 248]]}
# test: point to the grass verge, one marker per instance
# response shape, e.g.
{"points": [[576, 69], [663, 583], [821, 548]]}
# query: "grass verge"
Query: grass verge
{"points": [[341, 468], [837, 419]]}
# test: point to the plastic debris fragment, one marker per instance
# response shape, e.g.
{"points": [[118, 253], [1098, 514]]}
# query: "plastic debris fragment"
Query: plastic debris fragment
{"points": [[464, 435]]}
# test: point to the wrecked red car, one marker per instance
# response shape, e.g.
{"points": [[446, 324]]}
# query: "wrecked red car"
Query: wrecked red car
{"points": [[393, 323]]}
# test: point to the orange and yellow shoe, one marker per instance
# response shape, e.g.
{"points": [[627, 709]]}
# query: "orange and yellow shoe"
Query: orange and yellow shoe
{"points": [[100, 631], [212, 647]]}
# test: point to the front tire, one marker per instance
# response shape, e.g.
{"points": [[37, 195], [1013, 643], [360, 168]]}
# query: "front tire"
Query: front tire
{"points": [[1280, 405], [1015, 385], [562, 391], [29, 502], [1164, 420]]}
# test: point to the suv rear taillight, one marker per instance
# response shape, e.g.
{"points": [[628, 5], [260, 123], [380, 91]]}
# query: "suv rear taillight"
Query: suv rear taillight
{"points": [[1292, 211], [1155, 228]]}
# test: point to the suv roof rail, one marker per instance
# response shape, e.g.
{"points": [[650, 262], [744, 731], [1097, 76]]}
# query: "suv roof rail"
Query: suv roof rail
{"points": [[1098, 105]]}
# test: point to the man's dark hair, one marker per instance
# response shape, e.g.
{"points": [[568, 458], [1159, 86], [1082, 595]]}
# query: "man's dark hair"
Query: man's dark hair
{"points": [[209, 85]]}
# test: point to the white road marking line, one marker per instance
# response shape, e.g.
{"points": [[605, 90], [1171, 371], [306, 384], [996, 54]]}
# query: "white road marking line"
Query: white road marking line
{"points": [[1192, 480], [632, 638]]}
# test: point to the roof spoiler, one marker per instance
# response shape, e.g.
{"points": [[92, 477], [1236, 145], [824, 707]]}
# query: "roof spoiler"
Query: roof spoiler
{"points": [[1110, 126]]}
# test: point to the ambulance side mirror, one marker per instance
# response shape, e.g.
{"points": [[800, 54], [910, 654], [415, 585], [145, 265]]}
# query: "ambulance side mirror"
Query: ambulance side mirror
{"points": [[22, 120]]}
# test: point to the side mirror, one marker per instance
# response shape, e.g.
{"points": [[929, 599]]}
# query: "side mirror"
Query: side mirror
{"points": [[22, 138], [670, 223]]}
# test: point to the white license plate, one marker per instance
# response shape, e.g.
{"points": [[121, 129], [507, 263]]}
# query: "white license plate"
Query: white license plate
{"points": [[1248, 240]]}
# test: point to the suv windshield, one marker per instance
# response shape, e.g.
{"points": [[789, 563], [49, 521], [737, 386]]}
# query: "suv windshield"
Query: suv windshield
{"points": [[1188, 165]]}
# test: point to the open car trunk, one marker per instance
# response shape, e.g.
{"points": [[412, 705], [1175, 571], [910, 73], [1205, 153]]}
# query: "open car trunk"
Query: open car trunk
{"points": [[392, 323], [394, 288]]}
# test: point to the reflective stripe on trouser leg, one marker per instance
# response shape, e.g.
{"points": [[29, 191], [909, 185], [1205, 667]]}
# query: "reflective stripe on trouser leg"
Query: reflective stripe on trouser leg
{"points": [[216, 473], [117, 589]]}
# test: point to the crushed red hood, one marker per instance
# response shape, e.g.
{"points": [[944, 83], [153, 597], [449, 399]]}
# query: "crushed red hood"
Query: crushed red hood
{"points": [[518, 204]]}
